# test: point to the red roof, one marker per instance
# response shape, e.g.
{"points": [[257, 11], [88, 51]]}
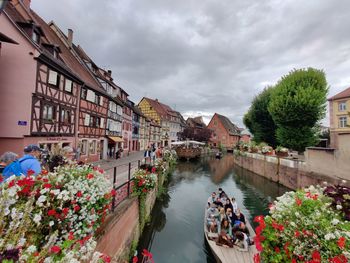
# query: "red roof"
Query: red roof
{"points": [[158, 107], [341, 95]]}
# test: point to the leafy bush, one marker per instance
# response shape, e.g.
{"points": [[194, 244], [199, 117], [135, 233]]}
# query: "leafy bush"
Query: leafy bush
{"points": [[302, 227]]}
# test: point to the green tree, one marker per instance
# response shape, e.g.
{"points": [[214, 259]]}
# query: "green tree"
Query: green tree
{"points": [[297, 104], [259, 120]]}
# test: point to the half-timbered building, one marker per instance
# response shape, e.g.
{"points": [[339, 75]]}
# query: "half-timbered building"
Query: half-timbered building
{"points": [[39, 91]]}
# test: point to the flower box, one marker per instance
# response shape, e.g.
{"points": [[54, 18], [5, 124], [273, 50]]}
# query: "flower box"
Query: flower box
{"points": [[282, 154]]}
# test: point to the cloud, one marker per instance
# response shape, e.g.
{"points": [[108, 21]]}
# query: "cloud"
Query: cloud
{"points": [[207, 56]]}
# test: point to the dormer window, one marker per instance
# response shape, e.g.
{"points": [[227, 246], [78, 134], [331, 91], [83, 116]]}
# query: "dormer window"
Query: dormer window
{"points": [[36, 37]]}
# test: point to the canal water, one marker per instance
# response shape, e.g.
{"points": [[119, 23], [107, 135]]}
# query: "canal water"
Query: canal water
{"points": [[175, 233]]}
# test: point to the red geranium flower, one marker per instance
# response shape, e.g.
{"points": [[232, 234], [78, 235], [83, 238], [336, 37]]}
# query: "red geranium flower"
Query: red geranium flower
{"points": [[71, 236], [297, 233], [277, 249], [105, 258], [65, 210], [36, 253], [51, 212], [341, 242], [47, 185], [113, 192], [144, 190], [135, 259], [153, 169], [1, 179], [298, 201], [79, 194], [90, 176], [12, 183], [257, 258], [44, 172], [55, 249], [316, 256], [30, 172], [76, 208]]}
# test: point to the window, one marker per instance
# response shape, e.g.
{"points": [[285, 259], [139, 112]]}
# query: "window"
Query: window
{"points": [[55, 54], [68, 85], [83, 93], [343, 122], [48, 112], [83, 147], [102, 121], [36, 37], [98, 99], [87, 120], [65, 116], [342, 106], [53, 78], [97, 122], [90, 96], [93, 147]]}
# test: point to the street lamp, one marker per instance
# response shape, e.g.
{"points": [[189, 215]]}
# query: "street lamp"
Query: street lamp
{"points": [[3, 4]]}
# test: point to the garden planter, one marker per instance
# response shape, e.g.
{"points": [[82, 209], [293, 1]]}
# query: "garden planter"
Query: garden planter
{"points": [[282, 154]]}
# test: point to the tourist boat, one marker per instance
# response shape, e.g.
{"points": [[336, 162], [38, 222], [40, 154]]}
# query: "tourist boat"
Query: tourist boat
{"points": [[218, 155], [188, 149], [229, 255]]}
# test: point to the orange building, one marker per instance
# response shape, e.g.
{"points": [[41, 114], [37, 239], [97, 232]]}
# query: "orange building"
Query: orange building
{"points": [[225, 133]]}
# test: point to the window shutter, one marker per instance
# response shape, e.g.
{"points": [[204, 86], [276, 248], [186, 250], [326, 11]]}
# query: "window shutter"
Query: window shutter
{"points": [[52, 77], [102, 122], [101, 100], [90, 96], [87, 120], [68, 85]]}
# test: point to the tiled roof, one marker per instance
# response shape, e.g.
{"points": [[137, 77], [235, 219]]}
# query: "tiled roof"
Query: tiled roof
{"points": [[341, 95], [157, 107], [229, 126]]}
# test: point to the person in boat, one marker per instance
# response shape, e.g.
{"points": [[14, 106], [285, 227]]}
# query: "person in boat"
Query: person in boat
{"points": [[213, 218], [241, 227], [225, 234], [242, 241], [221, 192], [228, 205], [234, 205], [238, 217], [218, 202], [222, 214], [223, 199], [211, 199], [229, 215]]}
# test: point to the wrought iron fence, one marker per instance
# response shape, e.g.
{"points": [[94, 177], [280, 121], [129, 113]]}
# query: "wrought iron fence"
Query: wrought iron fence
{"points": [[121, 177]]}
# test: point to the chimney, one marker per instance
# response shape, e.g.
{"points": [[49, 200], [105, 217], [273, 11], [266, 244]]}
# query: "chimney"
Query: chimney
{"points": [[70, 38], [26, 3], [109, 72]]}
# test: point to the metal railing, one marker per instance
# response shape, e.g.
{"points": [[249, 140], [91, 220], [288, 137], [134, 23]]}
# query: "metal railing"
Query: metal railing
{"points": [[121, 177]]}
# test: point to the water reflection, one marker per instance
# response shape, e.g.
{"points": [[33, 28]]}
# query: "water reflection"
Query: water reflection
{"points": [[175, 233]]}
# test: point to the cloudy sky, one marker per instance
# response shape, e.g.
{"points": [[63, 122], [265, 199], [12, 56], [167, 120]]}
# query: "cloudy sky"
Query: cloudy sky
{"points": [[206, 56]]}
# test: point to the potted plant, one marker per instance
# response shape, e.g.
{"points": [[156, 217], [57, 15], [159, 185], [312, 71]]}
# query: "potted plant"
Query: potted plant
{"points": [[253, 147], [267, 150], [281, 151]]}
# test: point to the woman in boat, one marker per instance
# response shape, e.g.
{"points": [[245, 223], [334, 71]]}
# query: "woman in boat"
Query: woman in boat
{"points": [[229, 216], [225, 234], [211, 199], [228, 205]]}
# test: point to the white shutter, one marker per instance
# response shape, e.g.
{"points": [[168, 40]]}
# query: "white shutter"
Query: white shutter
{"points": [[87, 120], [101, 100], [102, 122], [52, 77], [90, 95], [68, 85]]}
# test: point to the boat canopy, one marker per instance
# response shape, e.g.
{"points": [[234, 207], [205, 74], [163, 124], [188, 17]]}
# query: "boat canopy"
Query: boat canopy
{"points": [[187, 143]]}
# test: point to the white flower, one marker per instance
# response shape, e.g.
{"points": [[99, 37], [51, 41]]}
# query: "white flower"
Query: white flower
{"points": [[339, 207], [329, 236], [31, 249], [335, 221], [21, 242], [51, 223], [37, 218]]}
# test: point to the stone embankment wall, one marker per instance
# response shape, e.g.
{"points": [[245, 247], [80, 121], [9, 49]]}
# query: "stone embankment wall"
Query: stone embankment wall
{"points": [[122, 228], [290, 173]]}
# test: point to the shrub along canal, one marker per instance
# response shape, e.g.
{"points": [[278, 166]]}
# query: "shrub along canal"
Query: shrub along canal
{"points": [[175, 232]]}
